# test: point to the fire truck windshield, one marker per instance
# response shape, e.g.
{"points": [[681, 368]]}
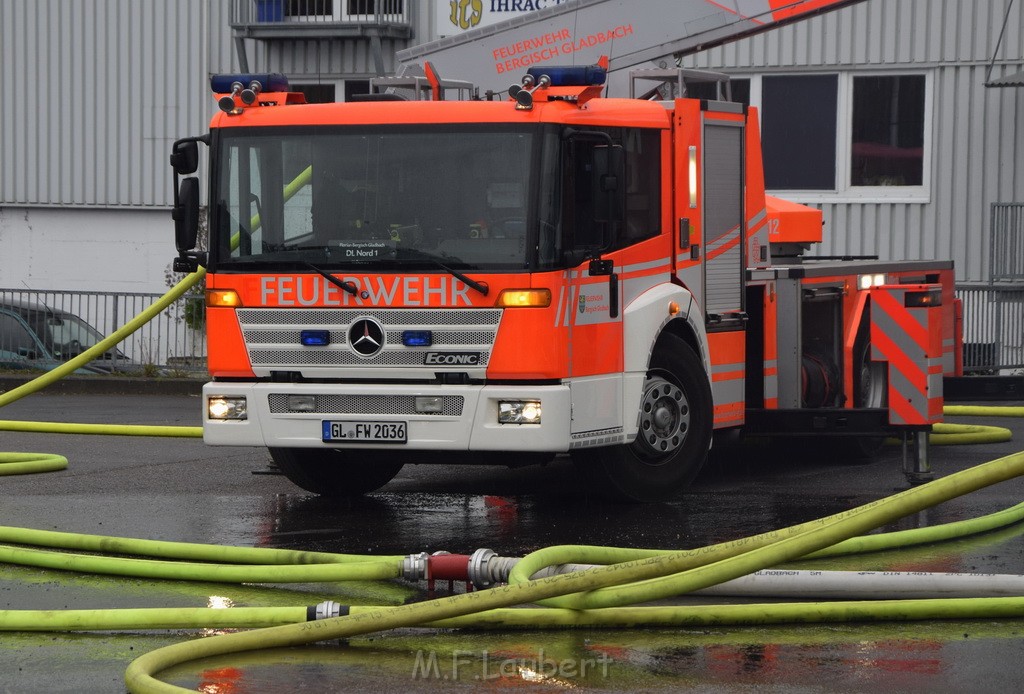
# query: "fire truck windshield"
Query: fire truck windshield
{"points": [[385, 198]]}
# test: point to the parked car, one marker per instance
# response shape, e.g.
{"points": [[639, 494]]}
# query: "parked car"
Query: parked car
{"points": [[35, 336]]}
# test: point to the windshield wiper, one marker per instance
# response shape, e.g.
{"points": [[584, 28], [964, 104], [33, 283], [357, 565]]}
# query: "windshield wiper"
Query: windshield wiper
{"points": [[438, 262], [349, 287]]}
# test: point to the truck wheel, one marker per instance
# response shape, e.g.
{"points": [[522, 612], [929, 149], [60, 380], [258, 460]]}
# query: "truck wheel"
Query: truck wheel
{"points": [[330, 472], [871, 389], [675, 431]]}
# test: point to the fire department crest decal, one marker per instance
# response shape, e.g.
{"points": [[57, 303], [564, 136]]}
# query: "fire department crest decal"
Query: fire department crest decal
{"points": [[466, 13]]}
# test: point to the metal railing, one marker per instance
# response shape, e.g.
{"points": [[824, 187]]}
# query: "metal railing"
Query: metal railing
{"points": [[256, 13], [1006, 252], [993, 327], [173, 342]]}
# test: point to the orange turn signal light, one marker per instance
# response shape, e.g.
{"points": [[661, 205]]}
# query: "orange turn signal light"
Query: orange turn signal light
{"points": [[226, 298], [523, 298]]}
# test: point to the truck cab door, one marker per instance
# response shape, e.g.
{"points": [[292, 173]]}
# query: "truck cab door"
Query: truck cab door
{"points": [[591, 311], [595, 211]]}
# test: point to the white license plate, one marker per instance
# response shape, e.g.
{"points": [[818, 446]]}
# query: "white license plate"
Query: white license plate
{"points": [[364, 432]]}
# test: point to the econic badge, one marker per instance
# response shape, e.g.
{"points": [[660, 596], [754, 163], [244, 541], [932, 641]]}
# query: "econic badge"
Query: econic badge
{"points": [[452, 358]]}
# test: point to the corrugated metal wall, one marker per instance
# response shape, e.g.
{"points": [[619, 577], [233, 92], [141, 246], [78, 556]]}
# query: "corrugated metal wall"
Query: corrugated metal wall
{"points": [[94, 94], [977, 133], [221, 47]]}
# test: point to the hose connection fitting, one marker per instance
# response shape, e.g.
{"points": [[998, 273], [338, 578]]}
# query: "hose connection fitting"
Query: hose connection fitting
{"points": [[487, 568], [439, 566], [478, 573], [326, 610], [414, 567], [446, 566], [482, 569]]}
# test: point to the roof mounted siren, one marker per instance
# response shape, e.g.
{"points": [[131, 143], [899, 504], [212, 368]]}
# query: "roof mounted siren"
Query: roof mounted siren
{"points": [[577, 83], [524, 94], [245, 88]]}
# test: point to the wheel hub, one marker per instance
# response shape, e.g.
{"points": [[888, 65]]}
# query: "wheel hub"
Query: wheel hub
{"points": [[664, 417]]}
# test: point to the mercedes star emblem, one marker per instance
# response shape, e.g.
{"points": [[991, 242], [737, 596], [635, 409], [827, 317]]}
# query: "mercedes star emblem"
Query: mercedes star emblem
{"points": [[366, 337]]}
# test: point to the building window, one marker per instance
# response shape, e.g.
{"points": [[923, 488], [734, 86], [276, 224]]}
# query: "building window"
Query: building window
{"points": [[316, 93], [888, 131], [329, 92], [354, 88], [798, 131], [834, 137]]}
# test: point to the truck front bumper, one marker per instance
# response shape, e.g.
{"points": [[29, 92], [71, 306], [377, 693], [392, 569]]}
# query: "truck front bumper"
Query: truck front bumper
{"points": [[466, 420]]}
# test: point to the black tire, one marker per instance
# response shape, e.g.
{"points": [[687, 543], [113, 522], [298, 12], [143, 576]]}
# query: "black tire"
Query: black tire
{"points": [[676, 420], [871, 390], [332, 472]]}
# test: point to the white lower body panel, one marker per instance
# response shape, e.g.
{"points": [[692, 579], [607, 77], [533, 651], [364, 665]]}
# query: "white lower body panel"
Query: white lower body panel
{"points": [[476, 428]]}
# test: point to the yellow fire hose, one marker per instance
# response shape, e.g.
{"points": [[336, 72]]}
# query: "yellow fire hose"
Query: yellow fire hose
{"points": [[619, 583], [583, 598]]}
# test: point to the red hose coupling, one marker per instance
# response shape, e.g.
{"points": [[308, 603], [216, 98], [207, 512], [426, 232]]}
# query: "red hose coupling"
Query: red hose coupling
{"points": [[443, 566]]}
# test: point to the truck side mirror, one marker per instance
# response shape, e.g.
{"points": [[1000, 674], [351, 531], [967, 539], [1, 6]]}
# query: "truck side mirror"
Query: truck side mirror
{"points": [[185, 157], [186, 215]]}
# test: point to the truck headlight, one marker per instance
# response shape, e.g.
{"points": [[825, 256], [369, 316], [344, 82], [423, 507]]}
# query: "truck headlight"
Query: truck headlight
{"points": [[226, 407], [519, 412]]}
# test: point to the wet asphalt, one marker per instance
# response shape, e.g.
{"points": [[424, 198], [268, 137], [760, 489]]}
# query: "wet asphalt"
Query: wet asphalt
{"points": [[183, 490]]}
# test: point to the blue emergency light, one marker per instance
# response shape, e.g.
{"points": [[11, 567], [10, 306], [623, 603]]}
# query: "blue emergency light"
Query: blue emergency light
{"points": [[570, 75], [268, 81], [417, 338], [315, 338]]}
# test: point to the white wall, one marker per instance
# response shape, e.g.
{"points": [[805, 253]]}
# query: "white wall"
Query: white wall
{"points": [[120, 250]]}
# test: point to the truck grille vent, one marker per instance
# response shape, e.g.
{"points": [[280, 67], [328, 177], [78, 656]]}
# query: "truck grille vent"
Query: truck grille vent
{"points": [[451, 405]]}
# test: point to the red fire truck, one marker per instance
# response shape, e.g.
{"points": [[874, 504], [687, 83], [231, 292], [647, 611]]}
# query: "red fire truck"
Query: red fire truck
{"points": [[501, 282]]}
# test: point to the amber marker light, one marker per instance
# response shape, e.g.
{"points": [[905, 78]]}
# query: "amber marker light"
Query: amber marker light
{"points": [[923, 299], [673, 308], [524, 298], [223, 297]]}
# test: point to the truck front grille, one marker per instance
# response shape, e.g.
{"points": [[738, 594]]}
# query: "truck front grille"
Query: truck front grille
{"points": [[272, 336]]}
